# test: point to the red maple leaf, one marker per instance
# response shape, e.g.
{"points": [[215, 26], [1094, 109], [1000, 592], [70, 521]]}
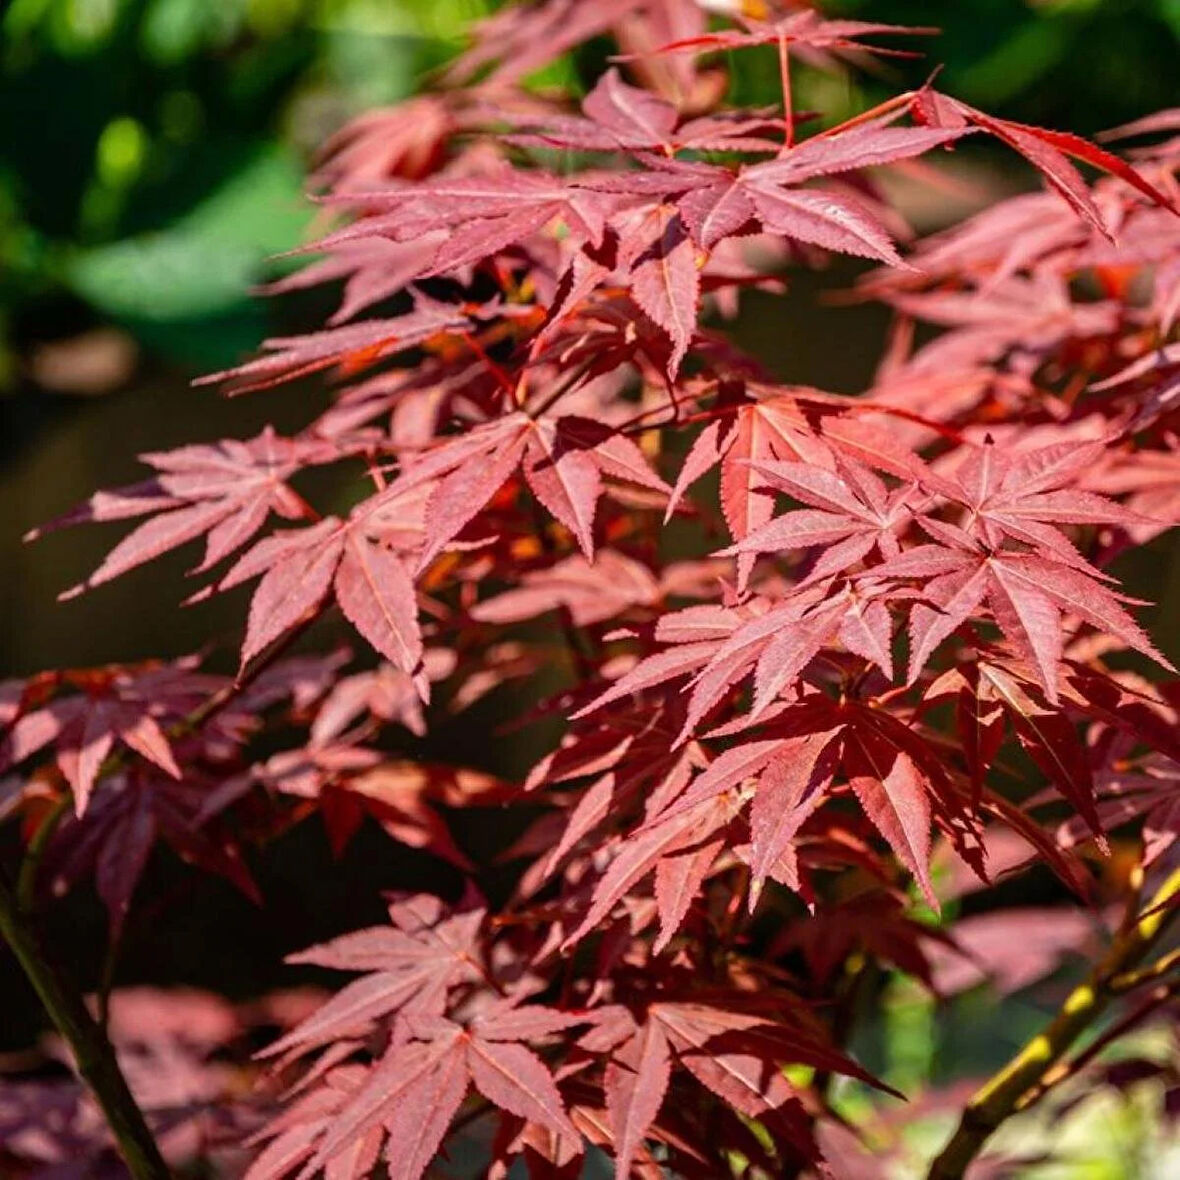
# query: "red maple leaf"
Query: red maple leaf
{"points": [[134, 706], [224, 492]]}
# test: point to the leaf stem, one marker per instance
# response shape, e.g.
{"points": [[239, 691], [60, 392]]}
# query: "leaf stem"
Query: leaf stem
{"points": [[784, 70], [1001, 1096], [93, 1054]]}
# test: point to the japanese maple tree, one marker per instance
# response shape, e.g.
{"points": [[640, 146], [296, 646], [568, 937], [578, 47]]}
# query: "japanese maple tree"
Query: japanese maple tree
{"points": [[820, 662]]}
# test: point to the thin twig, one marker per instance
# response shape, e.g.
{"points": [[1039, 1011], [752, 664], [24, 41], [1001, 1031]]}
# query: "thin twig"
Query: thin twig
{"points": [[1130, 980]]}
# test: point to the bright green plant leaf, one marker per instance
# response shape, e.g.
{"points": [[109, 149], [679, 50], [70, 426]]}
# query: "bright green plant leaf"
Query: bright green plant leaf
{"points": [[206, 261]]}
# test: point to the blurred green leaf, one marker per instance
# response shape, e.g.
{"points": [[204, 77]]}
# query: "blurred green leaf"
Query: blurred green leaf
{"points": [[173, 30], [206, 261], [1017, 63]]}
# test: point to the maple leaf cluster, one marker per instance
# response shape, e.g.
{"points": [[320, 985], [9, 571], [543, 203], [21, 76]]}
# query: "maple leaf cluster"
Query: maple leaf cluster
{"points": [[813, 653]]}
